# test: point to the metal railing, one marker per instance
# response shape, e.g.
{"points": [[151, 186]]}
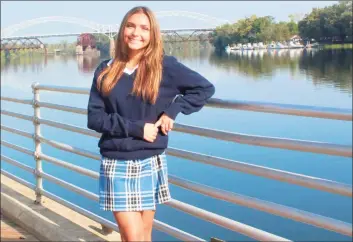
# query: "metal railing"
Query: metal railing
{"points": [[269, 207]]}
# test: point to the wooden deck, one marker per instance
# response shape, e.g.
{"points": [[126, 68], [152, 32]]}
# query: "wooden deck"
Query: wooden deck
{"points": [[12, 232]]}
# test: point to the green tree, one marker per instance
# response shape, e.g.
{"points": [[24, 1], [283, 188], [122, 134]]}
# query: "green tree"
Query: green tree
{"points": [[335, 20]]}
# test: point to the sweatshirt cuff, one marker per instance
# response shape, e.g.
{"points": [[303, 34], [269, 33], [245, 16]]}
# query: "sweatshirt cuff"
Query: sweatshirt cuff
{"points": [[136, 128], [173, 110]]}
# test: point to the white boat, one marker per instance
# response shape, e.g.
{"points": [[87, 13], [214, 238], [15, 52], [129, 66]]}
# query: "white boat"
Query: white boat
{"points": [[250, 46], [227, 49], [271, 46], [235, 47], [293, 45], [255, 46], [261, 45], [280, 46], [313, 45]]}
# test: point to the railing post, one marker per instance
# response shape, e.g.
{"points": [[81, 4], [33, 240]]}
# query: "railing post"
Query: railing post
{"points": [[37, 148]]}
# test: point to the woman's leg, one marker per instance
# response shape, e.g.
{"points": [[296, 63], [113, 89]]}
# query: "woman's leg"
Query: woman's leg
{"points": [[122, 236], [130, 223], [147, 219]]}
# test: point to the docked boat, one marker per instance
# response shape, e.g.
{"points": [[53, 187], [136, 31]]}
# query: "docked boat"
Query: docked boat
{"points": [[236, 47], [279, 45], [271, 46], [247, 47], [261, 45], [313, 45], [293, 45]]}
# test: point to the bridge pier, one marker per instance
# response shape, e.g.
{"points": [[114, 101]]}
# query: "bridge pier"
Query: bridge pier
{"points": [[112, 47]]}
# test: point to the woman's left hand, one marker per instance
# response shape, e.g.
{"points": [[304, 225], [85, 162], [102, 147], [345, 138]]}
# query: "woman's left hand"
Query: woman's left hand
{"points": [[166, 123]]}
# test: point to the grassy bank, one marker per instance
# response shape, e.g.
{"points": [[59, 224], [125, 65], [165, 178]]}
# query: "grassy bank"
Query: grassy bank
{"points": [[338, 46]]}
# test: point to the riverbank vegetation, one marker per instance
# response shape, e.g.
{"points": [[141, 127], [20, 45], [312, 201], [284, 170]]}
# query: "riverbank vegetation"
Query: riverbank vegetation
{"points": [[253, 29], [327, 25]]}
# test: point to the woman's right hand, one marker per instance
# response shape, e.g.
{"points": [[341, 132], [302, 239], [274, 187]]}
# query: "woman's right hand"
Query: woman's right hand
{"points": [[150, 132]]}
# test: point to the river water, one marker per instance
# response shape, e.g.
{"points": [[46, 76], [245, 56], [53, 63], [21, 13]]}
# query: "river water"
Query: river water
{"points": [[321, 78]]}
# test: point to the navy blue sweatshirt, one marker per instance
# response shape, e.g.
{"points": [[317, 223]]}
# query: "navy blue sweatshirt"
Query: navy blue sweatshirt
{"points": [[121, 116]]}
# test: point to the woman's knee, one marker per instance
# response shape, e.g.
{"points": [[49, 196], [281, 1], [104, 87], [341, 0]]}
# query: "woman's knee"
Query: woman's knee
{"points": [[134, 234], [130, 225], [147, 228]]}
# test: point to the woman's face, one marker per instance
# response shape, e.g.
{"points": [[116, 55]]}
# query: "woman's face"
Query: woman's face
{"points": [[137, 31]]}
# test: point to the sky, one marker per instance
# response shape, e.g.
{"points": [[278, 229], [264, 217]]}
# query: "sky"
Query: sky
{"points": [[112, 12]]}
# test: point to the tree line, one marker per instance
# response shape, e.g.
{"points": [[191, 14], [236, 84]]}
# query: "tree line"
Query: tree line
{"points": [[333, 22], [320, 23]]}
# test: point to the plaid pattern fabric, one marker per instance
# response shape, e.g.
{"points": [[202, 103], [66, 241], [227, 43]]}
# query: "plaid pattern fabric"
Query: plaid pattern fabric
{"points": [[133, 185]]}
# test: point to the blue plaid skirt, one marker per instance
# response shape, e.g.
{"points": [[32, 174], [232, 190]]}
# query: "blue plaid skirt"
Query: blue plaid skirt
{"points": [[133, 185]]}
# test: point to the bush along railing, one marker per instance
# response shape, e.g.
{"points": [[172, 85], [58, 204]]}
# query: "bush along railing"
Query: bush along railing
{"points": [[269, 207]]}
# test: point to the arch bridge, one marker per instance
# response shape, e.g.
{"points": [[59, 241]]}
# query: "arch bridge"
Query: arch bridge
{"points": [[108, 29], [10, 42]]}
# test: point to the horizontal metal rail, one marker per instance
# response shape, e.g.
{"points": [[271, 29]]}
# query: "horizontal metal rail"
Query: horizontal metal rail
{"points": [[69, 148], [70, 166], [18, 148], [269, 207], [76, 90], [264, 141], [61, 107], [17, 131], [18, 164], [217, 219], [272, 142], [69, 127], [53, 124], [298, 110], [176, 233], [19, 180], [292, 213], [68, 185], [290, 177], [225, 222], [289, 109], [17, 100], [17, 115], [55, 144], [273, 208], [179, 234]]}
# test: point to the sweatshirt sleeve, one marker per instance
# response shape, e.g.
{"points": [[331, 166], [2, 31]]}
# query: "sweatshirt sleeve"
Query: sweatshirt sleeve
{"points": [[110, 123], [195, 90]]}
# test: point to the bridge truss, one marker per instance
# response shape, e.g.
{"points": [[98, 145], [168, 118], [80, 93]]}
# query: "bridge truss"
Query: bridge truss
{"points": [[22, 44]]}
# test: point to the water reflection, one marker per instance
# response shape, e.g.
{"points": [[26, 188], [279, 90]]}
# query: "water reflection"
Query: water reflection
{"points": [[33, 64], [333, 67], [87, 64], [322, 67]]}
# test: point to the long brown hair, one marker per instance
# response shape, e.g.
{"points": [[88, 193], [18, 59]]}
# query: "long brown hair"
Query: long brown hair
{"points": [[149, 72]]}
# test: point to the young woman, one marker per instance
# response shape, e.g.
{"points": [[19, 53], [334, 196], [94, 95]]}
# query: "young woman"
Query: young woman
{"points": [[134, 100]]}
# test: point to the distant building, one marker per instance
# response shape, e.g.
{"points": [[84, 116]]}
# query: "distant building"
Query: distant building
{"points": [[86, 45]]}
